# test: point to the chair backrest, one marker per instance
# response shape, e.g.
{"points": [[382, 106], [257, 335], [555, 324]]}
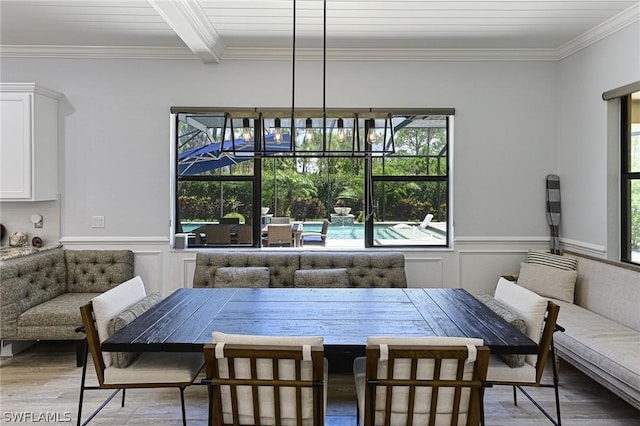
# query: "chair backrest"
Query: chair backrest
{"points": [[279, 234], [423, 383], [218, 234], [426, 221], [325, 229], [280, 219], [244, 234], [256, 383], [93, 341], [229, 220], [546, 339]]}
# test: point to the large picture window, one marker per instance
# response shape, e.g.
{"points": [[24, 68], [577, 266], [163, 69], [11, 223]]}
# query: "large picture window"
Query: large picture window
{"points": [[398, 200]]}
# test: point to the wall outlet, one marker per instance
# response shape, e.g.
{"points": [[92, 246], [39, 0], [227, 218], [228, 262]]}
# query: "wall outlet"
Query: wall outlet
{"points": [[97, 222]]}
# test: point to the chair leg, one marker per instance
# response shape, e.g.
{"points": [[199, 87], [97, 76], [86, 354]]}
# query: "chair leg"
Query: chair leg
{"points": [[184, 413], [80, 345], [123, 394], [515, 399], [85, 350], [555, 382]]}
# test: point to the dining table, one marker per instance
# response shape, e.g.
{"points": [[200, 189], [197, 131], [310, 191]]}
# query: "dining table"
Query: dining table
{"points": [[185, 320]]}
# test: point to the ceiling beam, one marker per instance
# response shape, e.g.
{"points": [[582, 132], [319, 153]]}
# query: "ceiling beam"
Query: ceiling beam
{"points": [[191, 24]]}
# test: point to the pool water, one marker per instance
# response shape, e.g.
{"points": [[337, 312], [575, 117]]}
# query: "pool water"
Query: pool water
{"points": [[356, 231], [380, 232]]}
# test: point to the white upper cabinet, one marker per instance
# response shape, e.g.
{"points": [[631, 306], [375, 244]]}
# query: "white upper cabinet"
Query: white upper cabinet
{"points": [[28, 142]]}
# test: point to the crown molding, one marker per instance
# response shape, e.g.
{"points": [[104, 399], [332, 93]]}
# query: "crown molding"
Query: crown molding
{"points": [[397, 54], [218, 53], [599, 32], [96, 52], [275, 54]]}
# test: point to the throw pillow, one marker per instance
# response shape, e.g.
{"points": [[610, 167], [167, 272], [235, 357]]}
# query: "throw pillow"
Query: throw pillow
{"points": [[548, 281], [318, 278], [120, 321], [255, 276], [528, 305], [544, 258], [512, 360]]}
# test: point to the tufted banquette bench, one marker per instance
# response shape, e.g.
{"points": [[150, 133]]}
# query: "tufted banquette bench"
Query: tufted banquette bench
{"points": [[40, 297], [300, 269]]}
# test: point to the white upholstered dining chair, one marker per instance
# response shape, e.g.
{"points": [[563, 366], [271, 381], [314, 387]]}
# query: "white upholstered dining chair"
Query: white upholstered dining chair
{"points": [[257, 380], [540, 316], [108, 313], [428, 380]]}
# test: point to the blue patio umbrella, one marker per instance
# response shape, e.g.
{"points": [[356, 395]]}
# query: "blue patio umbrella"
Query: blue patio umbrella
{"points": [[211, 157]]}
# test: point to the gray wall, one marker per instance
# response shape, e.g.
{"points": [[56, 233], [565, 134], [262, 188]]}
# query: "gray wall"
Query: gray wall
{"points": [[588, 138], [515, 123]]}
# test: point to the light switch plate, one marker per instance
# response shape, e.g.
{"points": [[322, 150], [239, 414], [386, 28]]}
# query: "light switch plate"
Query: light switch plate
{"points": [[97, 222]]}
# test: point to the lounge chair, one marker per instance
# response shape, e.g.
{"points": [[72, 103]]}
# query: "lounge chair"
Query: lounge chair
{"points": [[423, 225], [315, 237]]}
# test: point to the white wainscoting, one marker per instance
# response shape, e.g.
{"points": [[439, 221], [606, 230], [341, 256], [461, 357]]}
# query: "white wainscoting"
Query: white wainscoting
{"points": [[475, 264]]}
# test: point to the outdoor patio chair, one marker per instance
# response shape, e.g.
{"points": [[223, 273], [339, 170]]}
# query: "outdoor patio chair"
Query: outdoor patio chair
{"points": [[229, 221], [422, 225], [120, 371], [427, 380], [314, 237], [540, 316], [279, 235], [280, 219], [244, 234], [257, 380], [218, 234]]}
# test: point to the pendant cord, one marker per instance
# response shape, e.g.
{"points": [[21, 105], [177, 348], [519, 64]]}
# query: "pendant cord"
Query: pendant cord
{"points": [[293, 70]]}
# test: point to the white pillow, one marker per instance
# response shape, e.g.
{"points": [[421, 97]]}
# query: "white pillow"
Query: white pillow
{"points": [[527, 304], [548, 281], [110, 303]]}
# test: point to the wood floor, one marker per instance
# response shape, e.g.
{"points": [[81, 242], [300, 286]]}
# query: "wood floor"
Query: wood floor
{"points": [[41, 385]]}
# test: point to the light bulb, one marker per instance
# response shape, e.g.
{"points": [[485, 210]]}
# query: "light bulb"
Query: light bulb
{"points": [[309, 132], [246, 131], [277, 133], [341, 135], [371, 134]]}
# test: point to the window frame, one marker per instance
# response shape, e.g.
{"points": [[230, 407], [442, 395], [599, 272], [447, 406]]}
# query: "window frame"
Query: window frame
{"points": [[627, 176], [369, 180]]}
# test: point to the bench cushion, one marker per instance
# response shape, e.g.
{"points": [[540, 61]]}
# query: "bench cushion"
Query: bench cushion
{"points": [[604, 349], [323, 278], [253, 276], [281, 266], [57, 317], [365, 269]]}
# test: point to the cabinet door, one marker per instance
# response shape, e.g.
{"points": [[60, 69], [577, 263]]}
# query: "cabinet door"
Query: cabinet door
{"points": [[15, 145]]}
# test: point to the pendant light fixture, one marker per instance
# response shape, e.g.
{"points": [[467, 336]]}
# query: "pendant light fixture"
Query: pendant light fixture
{"points": [[276, 131]]}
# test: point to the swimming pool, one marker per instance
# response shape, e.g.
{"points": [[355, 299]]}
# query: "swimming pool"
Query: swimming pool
{"points": [[380, 232]]}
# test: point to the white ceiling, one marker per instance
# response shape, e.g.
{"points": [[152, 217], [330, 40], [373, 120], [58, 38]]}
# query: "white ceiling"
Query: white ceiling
{"points": [[217, 30]]}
